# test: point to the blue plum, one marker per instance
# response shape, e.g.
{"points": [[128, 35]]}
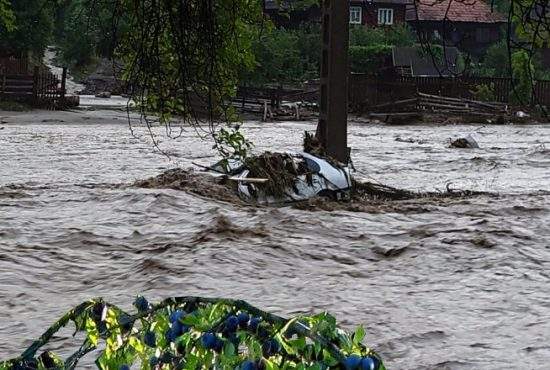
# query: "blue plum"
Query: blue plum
{"points": [[153, 361], [271, 347], [177, 328], [170, 335], [150, 339], [351, 362], [176, 316], [368, 363], [218, 346], [209, 340], [243, 319], [141, 304], [254, 323], [249, 365], [231, 323]]}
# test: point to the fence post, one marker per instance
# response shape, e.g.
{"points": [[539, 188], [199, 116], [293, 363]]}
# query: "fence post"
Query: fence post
{"points": [[35, 81], [3, 75], [63, 86]]}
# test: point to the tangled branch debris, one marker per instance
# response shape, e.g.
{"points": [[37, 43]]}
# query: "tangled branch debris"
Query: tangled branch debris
{"points": [[280, 169]]}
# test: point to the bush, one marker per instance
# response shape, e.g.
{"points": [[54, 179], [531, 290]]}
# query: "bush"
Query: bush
{"points": [[292, 56], [495, 63], [286, 56], [368, 59], [523, 73], [484, 92], [370, 47], [390, 36]]}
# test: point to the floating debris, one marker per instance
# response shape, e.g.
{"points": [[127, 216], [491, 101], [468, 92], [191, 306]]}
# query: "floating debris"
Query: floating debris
{"points": [[103, 95], [467, 142], [274, 178]]}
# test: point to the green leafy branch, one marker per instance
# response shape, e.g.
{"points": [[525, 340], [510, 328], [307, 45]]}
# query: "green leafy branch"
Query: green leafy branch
{"points": [[195, 332]]}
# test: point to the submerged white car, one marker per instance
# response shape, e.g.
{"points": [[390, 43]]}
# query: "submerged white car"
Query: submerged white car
{"points": [[322, 179]]}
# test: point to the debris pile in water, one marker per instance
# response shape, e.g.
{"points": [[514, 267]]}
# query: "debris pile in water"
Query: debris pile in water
{"points": [[279, 169], [195, 183], [371, 197], [312, 145], [278, 178], [201, 333]]}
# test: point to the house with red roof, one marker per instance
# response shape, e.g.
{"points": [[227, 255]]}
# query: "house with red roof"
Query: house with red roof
{"points": [[369, 13], [470, 25], [374, 13]]}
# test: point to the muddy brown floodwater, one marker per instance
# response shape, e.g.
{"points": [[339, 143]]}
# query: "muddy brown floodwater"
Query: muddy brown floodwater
{"points": [[455, 284]]}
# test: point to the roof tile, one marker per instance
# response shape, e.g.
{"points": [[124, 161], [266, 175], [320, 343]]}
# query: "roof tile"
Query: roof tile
{"points": [[475, 11]]}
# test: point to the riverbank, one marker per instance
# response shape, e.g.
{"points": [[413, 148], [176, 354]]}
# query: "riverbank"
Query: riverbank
{"points": [[459, 284]]}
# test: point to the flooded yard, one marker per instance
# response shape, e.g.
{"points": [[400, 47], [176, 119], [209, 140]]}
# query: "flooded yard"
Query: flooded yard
{"points": [[453, 284]]}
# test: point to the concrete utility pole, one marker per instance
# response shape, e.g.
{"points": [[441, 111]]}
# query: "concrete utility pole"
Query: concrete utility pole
{"points": [[332, 130]]}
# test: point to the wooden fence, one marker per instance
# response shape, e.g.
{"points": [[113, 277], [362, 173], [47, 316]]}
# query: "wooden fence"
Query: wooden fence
{"points": [[542, 93], [14, 66], [366, 91], [41, 88], [275, 96], [49, 89]]}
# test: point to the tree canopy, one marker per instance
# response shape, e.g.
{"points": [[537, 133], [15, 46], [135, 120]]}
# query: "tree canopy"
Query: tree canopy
{"points": [[27, 25], [7, 18]]}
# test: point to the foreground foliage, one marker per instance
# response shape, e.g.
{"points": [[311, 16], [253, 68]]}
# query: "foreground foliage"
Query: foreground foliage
{"points": [[201, 333]]}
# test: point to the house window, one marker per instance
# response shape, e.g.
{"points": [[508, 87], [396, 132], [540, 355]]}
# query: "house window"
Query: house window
{"points": [[355, 15], [385, 16]]}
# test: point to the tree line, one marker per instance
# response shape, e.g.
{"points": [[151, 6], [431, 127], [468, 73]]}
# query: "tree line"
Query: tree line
{"points": [[226, 43]]}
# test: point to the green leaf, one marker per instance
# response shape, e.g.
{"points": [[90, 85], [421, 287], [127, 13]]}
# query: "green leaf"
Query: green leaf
{"points": [[270, 365], [91, 331], [359, 335], [298, 344], [329, 359], [229, 349]]}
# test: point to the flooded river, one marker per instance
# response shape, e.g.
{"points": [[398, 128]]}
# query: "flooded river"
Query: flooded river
{"points": [[454, 284]]}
